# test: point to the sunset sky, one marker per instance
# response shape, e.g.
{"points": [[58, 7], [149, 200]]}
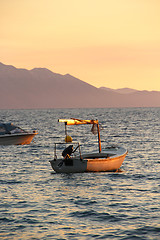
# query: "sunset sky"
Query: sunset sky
{"points": [[107, 43]]}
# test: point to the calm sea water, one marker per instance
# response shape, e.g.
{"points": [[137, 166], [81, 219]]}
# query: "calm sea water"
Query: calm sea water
{"points": [[37, 203]]}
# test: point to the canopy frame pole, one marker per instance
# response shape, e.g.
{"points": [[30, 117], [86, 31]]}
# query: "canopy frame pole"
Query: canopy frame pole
{"points": [[66, 128], [55, 155], [99, 138]]}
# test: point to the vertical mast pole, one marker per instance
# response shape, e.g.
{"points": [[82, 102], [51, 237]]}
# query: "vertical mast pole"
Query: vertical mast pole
{"points": [[99, 139], [66, 128]]}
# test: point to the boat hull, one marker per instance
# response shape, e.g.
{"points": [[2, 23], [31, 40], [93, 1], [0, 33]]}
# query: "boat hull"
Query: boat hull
{"points": [[105, 165], [17, 139], [101, 162]]}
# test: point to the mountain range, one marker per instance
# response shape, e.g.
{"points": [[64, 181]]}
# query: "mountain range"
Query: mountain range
{"points": [[42, 88]]}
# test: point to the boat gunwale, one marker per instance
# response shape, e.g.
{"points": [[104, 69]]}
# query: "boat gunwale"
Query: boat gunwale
{"points": [[96, 156], [113, 157], [18, 134]]}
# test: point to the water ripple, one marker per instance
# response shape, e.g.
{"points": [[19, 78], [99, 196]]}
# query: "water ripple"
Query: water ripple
{"points": [[36, 203]]}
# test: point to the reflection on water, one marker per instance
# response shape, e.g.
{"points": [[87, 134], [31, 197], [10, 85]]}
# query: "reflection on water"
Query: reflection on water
{"points": [[37, 203]]}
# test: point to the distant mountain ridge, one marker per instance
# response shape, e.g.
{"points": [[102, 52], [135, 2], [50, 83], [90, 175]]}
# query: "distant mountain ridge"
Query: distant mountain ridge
{"points": [[120, 90], [42, 88]]}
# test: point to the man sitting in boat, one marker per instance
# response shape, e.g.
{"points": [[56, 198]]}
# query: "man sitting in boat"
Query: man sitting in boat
{"points": [[67, 151], [67, 155]]}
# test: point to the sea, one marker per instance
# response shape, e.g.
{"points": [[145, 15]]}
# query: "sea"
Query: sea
{"points": [[37, 203]]}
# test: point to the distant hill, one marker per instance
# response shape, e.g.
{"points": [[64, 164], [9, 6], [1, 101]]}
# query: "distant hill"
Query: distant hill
{"points": [[120, 90], [42, 88]]}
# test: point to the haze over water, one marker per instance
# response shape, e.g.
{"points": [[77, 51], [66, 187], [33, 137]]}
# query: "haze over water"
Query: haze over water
{"points": [[37, 203]]}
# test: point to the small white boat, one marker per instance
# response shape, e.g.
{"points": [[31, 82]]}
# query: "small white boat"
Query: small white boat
{"points": [[73, 161], [13, 135]]}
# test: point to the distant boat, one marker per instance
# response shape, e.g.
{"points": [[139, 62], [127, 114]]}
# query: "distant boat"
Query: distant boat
{"points": [[13, 135], [73, 161]]}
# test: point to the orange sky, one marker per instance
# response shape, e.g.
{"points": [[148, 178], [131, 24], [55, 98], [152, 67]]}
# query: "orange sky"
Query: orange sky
{"points": [[107, 43]]}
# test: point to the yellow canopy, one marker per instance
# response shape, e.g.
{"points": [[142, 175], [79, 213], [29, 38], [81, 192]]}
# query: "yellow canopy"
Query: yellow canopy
{"points": [[74, 121]]}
